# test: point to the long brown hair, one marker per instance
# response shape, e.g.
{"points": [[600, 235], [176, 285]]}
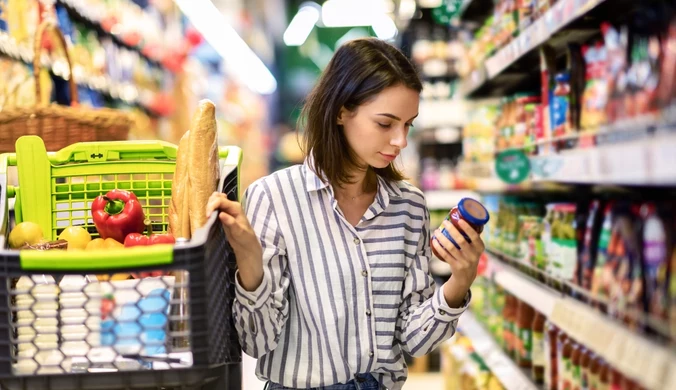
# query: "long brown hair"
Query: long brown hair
{"points": [[359, 70]]}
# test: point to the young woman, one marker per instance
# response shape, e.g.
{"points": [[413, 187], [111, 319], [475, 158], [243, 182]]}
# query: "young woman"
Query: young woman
{"points": [[333, 283]]}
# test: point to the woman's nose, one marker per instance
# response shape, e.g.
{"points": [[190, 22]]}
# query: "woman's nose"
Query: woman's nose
{"points": [[399, 140]]}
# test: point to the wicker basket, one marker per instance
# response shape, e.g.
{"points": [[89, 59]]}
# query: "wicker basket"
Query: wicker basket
{"points": [[60, 126]]}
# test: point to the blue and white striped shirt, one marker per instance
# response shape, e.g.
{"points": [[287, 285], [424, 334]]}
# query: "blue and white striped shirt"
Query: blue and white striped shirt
{"points": [[338, 300]]}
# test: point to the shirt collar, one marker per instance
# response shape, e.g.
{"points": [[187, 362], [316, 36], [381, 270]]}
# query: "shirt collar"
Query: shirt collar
{"points": [[314, 183]]}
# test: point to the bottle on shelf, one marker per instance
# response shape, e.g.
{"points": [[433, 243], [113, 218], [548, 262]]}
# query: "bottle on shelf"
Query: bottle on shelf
{"points": [[524, 323], [538, 348], [576, 366], [551, 353]]}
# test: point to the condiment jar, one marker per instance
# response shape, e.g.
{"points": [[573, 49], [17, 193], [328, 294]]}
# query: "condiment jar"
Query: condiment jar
{"points": [[469, 210]]}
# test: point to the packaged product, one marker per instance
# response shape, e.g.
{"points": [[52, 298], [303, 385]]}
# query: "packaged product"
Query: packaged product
{"points": [[624, 265], [600, 286], [589, 244], [576, 366], [585, 367], [547, 68], [550, 354], [564, 349], [667, 89], [509, 325], [468, 210], [560, 106], [562, 249], [595, 95], [538, 348], [657, 241], [617, 42], [576, 69], [524, 337]]}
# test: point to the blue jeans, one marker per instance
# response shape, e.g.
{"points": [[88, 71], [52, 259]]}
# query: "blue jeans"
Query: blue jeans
{"points": [[362, 382]]}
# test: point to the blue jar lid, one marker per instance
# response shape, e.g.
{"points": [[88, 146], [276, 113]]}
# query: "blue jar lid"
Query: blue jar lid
{"points": [[473, 211]]}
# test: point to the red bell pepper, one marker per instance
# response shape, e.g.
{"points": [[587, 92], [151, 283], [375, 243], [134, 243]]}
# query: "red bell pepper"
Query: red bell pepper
{"points": [[138, 239], [118, 214]]}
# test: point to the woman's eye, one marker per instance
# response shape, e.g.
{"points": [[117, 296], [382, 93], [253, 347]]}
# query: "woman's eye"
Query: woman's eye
{"points": [[384, 125]]}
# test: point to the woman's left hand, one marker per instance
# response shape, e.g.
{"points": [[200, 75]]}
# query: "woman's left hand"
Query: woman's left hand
{"points": [[463, 259]]}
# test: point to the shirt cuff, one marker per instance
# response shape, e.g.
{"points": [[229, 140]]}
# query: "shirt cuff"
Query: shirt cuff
{"points": [[252, 300], [445, 313]]}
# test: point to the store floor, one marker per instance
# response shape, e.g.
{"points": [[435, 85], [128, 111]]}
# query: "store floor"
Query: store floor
{"points": [[431, 381]]}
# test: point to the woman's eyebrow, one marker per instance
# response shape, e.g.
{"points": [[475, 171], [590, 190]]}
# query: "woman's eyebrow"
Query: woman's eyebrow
{"points": [[395, 117]]}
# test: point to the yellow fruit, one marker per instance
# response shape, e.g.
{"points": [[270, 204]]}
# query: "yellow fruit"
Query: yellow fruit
{"points": [[111, 243], [95, 244], [25, 233], [77, 237]]}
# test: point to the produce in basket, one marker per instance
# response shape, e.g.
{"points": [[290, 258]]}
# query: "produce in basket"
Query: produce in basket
{"points": [[77, 237], [202, 162], [118, 214], [101, 244], [25, 233], [138, 239]]}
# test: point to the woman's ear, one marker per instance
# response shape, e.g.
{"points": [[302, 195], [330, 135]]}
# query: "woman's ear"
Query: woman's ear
{"points": [[342, 115]]}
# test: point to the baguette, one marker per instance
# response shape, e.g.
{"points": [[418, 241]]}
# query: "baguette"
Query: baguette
{"points": [[203, 169], [179, 223]]}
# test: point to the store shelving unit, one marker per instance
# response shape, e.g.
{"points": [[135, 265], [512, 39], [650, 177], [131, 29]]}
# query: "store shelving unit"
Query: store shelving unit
{"points": [[501, 365], [126, 92], [638, 356], [492, 78]]}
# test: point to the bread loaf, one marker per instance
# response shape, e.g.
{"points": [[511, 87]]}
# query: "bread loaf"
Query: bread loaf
{"points": [[203, 169], [179, 222]]}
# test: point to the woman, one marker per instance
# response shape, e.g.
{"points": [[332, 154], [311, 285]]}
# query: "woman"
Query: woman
{"points": [[333, 255]]}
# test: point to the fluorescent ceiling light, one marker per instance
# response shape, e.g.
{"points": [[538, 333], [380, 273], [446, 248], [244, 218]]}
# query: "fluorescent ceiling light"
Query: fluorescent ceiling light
{"points": [[302, 24], [384, 27], [351, 13], [240, 60]]}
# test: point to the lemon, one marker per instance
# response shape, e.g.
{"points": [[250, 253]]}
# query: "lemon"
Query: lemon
{"points": [[77, 237], [25, 233]]}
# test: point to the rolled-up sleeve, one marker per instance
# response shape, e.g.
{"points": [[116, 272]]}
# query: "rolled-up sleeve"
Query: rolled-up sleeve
{"points": [[425, 319], [260, 315]]}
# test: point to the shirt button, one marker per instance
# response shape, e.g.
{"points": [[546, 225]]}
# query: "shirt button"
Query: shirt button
{"points": [[371, 354], [368, 312], [356, 241], [251, 303], [443, 313], [364, 273]]}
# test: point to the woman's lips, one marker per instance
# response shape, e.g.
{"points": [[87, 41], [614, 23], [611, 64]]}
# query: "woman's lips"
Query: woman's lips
{"points": [[389, 157]]}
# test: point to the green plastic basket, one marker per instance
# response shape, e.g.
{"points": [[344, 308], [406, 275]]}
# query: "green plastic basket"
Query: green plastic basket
{"points": [[56, 190]]}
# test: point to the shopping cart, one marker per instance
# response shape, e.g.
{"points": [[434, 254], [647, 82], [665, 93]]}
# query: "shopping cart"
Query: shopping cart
{"points": [[77, 319]]}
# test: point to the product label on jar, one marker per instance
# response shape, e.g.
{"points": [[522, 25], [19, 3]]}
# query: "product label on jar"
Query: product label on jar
{"points": [[525, 343], [538, 349], [565, 258]]}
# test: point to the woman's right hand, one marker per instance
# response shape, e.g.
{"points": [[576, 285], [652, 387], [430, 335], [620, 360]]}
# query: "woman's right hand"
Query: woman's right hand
{"points": [[241, 237]]}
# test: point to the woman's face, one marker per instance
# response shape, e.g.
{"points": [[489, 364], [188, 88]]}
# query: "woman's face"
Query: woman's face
{"points": [[377, 130]]}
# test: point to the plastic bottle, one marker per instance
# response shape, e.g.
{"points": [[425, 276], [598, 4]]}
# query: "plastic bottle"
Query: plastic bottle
{"points": [[576, 366], [551, 354], [524, 322], [508, 332], [538, 349], [604, 376], [585, 365], [595, 372], [565, 365]]}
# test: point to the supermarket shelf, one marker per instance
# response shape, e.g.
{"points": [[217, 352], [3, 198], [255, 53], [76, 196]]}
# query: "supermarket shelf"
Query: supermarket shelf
{"points": [[641, 358], [126, 92], [645, 157], [84, 12], [500, 364], [447, 199], [542, 30]]}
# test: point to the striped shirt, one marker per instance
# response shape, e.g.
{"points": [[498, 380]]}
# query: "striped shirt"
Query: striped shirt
{"points": [[338, 300]]}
